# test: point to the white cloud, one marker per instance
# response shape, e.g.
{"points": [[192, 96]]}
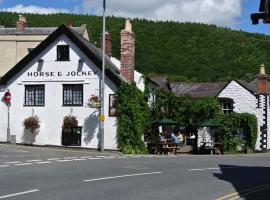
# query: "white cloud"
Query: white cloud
{"points": [[34, 9], [219, 12]]}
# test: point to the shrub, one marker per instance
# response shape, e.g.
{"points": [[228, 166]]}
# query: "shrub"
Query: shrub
{"points": [[70, 121], [31, 123]]}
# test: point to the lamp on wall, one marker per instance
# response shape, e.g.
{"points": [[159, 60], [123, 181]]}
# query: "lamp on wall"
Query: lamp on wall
{"points": [[81, 60], [40, 60]]}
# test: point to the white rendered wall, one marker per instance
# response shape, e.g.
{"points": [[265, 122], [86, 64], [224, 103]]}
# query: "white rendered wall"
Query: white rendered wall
{"points": [[245, 102], [51, 115]]}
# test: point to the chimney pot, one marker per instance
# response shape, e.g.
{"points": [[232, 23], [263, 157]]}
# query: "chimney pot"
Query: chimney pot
{"points": [[262, 69], [21, 23], [128, 25]]}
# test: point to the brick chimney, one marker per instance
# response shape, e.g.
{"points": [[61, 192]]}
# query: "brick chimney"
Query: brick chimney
{"points": [[108, 43], [262, 83], [21, 23], [127, 51]]}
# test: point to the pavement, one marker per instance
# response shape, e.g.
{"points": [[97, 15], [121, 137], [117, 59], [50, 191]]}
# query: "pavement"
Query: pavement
{"points": [[55, 173]]}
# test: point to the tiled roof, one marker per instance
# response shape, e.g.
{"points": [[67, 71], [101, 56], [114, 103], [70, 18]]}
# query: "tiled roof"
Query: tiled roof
{"points": [[36, 30], [197, 89]]}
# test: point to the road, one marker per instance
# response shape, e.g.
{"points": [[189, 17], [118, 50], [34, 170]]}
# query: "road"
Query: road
{"points": [[47, 173]]}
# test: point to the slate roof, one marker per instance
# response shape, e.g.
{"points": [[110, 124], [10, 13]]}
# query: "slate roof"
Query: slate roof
{"points": [[161, 81], [197, 89], [90, 50], [249, 86], [37, 30]]}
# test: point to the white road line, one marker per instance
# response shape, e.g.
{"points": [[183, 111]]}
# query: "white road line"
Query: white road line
{"points": [[101, 156], [94, 158], [19, 193], [44, 162], [86, 157], [14, 162], [53, 159], [213, 168], [23, 164], [63, 160], [109, 157], [122, 176], [33, 160], [4, 166], [78, 159], [70, 158]]}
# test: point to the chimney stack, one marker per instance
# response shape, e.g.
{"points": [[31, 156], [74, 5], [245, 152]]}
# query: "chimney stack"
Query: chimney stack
{"points": [[108, 43], [262, 83], [127, 51], [21, 23]]}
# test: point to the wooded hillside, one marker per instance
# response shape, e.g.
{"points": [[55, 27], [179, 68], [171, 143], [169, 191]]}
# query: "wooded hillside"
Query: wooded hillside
{"points": [[184, 51]]}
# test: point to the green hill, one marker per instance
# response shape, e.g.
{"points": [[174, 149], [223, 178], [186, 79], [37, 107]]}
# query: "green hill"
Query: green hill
{"points": [[183, 51]]}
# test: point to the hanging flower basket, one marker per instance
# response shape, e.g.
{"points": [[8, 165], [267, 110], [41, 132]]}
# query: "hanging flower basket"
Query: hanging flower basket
{"points": [[94, 102]]}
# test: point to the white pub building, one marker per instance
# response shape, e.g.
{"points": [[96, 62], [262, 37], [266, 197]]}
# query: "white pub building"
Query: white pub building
{"points": [[56, 79]]}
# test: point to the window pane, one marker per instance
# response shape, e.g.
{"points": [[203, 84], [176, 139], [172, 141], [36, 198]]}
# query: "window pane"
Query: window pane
{"points": [[73, 95], [34, 95], [62, 52]]}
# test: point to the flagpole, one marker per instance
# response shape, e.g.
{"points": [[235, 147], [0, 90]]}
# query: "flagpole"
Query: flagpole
{"points": [[102, 117]]}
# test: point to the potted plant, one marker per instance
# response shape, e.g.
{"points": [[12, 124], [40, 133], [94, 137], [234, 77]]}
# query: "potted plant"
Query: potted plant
{"points": [[94, 102], [70, 122], [32, 123]]}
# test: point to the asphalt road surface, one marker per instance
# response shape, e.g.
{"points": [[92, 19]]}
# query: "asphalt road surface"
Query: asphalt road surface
{"points": [[47, 173]]}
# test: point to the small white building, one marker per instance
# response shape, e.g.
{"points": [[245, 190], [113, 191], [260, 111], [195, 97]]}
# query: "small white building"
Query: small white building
{"points": [[56, 79], [250, 97]]}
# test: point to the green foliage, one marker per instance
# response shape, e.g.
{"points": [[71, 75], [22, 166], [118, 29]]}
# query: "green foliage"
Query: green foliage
{"points": [[183, 51], [133, 116], [191, 112], [187, 111], [232, 123]]}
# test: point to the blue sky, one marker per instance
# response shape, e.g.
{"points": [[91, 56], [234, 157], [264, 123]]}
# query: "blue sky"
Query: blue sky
{"points": [[229, 13]]}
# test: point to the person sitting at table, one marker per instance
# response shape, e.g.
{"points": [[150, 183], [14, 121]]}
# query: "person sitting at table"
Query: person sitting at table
{"points": [[181, 138], [175, 142]]}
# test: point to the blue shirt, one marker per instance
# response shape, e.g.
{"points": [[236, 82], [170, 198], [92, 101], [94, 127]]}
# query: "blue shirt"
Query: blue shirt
{"points": [[174, 139]]}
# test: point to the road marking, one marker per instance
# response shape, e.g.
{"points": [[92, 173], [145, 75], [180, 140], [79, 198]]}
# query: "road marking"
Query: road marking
{"points": [[33, 160], [78, 159], [44, 162], [23, 164], [4, 166], [63, 160], [94, 158], [213, 168], [53, 158], [15, 162], [122, 176], [238, 195], [19, 193], [70, 158]]}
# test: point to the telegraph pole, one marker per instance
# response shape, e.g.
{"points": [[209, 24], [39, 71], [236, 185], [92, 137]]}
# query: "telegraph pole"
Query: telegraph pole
{"points": [[102, 116]]}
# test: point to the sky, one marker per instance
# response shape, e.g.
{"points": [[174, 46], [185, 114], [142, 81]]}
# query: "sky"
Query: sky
{"points": [[234, 14]]}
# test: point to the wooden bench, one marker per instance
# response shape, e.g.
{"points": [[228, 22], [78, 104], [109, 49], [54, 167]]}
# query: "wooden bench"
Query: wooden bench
{"points": [[169, 147]]}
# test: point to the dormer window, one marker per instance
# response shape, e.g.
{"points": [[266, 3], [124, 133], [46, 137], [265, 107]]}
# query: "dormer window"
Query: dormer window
{"points": [[62, 52]]}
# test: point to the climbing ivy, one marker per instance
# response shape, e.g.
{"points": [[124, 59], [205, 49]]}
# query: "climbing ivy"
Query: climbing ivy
{"points": [[133, 115], [232, 123]]}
